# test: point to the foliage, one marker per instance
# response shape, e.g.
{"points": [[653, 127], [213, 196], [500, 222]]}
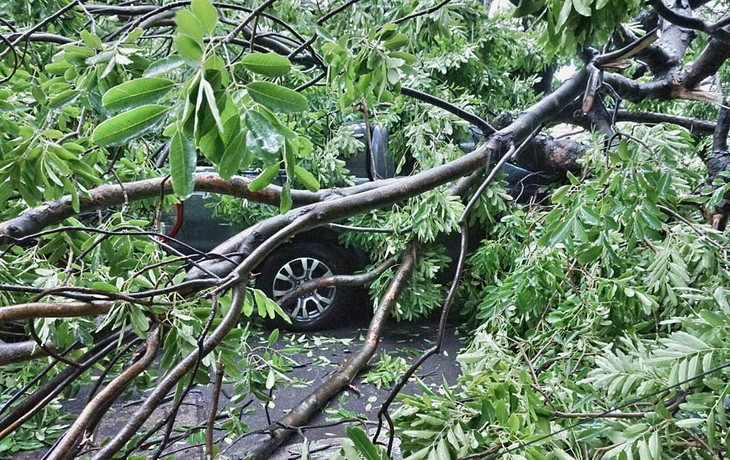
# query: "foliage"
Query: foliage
{"points": [[386, 371], [600, 302], [609, 294]]}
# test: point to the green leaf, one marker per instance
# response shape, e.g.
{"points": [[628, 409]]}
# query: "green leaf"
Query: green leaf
{"points": [[560, 193], [564, 14], [189, 51], [307, 179], [260, 298], [190, 26], [266, 177], [583, 7], [655, 447], [136, 92], [182, 165], [66, 97], [270, 379], [363, 444], [126, 126], [277, 98], [712, 318], [690, 422], [286, 202], [248, 305], [140, 324], [273, 337], [206, 13], [263, 139], [90, 39], [211, 144], [210, 97], [623, 150], [235, 156], [267, 64], [163, 66], [397, 41], [528, 7]]}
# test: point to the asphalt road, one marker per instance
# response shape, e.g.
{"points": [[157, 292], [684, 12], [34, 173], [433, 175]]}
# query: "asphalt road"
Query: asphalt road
{"points": [[314, 357]]}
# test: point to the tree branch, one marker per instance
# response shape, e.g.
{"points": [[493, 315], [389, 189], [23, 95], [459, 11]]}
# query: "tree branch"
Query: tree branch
{"points": [[210, 426], [35, 219], [707, 63], [40, 37], [482, 124], [715, 30], [19, 351], [302, 412], [104, 398], [53, 310], [693, 124], [168, 382]]}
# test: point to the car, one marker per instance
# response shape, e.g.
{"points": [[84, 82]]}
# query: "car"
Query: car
{"points": [[312, 254]]}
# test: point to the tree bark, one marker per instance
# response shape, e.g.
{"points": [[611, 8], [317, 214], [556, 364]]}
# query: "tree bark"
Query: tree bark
{"points": [[53, 310], [302, 412], [19, 351], [36, 219]]}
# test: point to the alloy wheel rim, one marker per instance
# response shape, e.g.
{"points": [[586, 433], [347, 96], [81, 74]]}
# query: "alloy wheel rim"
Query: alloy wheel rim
{"points": [[311, 305]]}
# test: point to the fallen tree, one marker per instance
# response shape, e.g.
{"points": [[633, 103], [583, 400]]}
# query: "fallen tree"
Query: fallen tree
{"points": [[195, 71]]}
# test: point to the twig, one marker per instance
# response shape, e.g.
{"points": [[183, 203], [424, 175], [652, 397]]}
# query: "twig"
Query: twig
{"points": [[693, 226], [40, 25], [424, 12], [581, 415], [702, 443], [321, 22], [213, 410], [248, 19]]}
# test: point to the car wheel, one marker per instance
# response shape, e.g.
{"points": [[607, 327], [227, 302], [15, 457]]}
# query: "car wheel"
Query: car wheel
{"points": [[294, 264]]}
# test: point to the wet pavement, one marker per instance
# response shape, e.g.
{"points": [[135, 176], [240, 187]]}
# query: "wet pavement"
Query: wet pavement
{"points": [[314, 356]]}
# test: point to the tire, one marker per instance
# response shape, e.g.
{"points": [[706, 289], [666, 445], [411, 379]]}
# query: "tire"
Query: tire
{"points": [[299, 262]]}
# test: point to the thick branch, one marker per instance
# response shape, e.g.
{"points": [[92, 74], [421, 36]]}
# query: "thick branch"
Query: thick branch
{"points": [[553, 156], [41, 37], [693, 124], [688, 22], [707, 63], [719, 137], [53, 310], [718, 162], [338, 381], [19, 351], [105, 397], [635, 91], [54, 212]]}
